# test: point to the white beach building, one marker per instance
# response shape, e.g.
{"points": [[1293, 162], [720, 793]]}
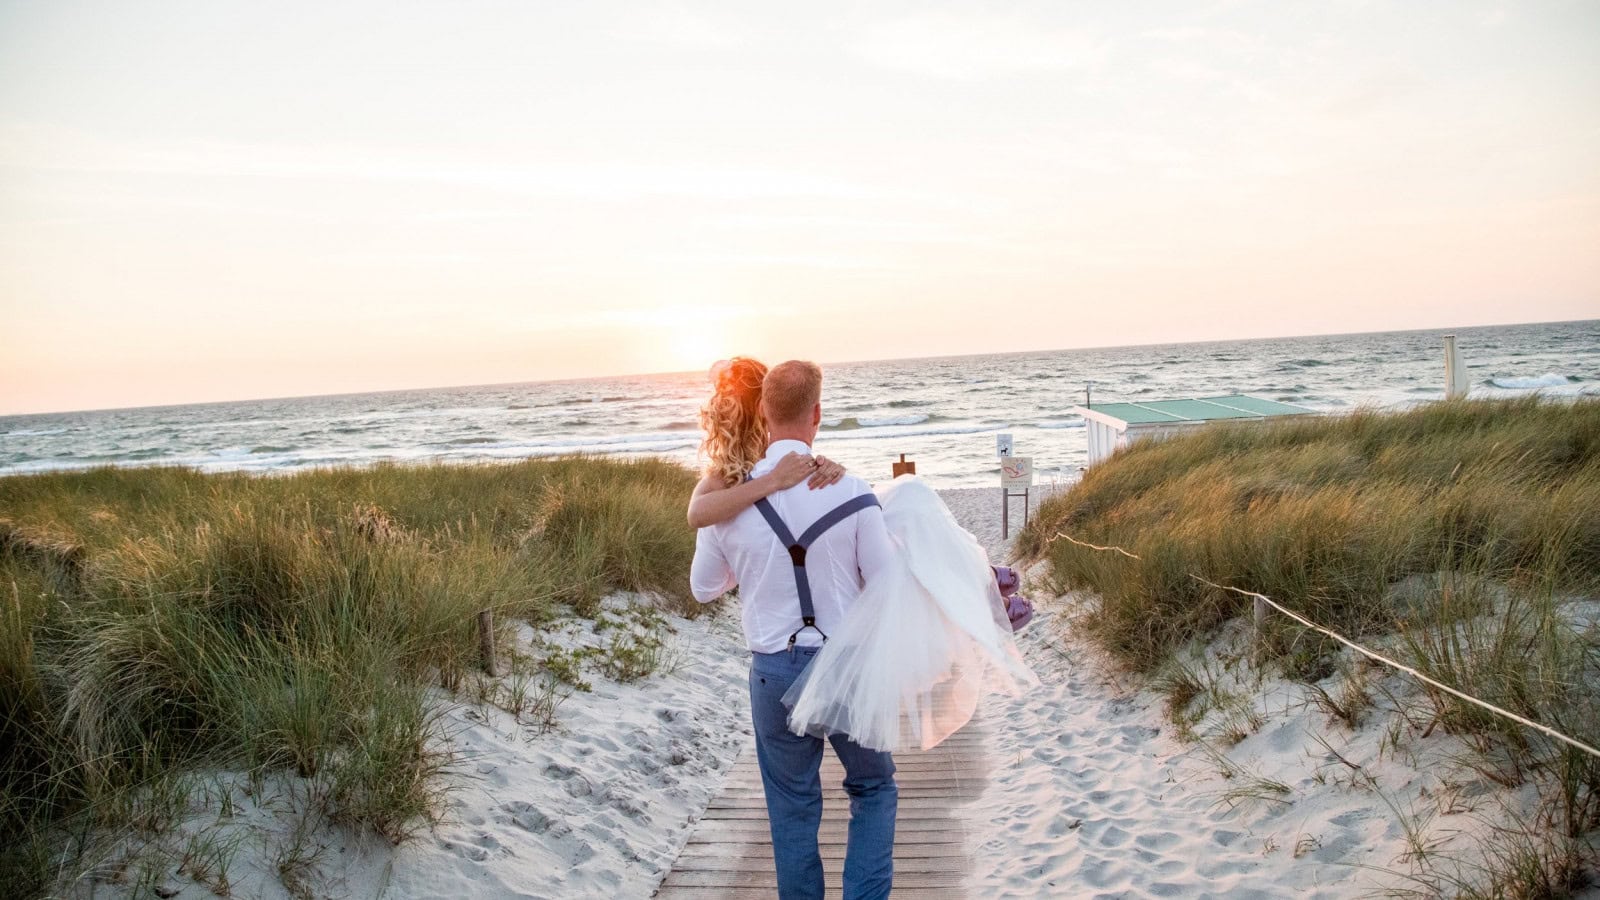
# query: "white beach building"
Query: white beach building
{"points": [[1113, 425]]}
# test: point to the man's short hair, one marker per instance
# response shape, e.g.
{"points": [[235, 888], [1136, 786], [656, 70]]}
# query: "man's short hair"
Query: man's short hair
{"points": [[790, 390]]}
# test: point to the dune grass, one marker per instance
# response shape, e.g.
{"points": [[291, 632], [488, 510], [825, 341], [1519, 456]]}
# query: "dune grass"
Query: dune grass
{"points": [[1333, 513], [159, 619], [1462, 537]]}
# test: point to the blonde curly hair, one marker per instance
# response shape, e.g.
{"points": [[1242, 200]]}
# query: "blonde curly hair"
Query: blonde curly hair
{"points": [[736, 431]]}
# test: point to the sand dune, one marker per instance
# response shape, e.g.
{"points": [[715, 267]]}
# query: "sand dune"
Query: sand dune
{"points": [[1092, 793]]}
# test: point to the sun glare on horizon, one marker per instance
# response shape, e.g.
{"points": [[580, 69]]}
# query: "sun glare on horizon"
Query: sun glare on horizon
{"points": [[693, 347]]}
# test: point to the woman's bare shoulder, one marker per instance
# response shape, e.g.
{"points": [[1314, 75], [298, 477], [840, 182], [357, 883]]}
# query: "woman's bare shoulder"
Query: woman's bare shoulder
{"points": [[709, 482]]}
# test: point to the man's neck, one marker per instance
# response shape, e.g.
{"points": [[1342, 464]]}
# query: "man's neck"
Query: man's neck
{"points": [[805, 436]]}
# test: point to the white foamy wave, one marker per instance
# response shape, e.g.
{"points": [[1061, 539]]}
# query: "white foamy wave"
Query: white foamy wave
{"points": [[849, 423], [897, 431], [1549, 379], [880, 421], [1076, 423]]}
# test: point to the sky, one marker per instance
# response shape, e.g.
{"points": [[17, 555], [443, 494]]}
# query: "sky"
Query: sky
{"points": [[219, 200]]}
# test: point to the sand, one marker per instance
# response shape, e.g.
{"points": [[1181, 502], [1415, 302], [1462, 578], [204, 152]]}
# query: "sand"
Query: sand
{"points": [[1096, 795], [1092, 794], [597, 806]]}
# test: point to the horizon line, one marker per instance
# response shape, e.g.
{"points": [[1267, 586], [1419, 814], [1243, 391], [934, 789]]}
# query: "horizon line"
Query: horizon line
{"points": [[539, 381]]}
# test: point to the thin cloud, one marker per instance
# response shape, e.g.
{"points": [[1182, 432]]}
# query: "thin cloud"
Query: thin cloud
{"points": [[677, 25], [61, 150], [1370, 93], [962, 46]]}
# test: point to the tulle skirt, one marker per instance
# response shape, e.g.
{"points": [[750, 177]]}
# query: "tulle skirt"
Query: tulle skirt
{"points": [[921, 646]]}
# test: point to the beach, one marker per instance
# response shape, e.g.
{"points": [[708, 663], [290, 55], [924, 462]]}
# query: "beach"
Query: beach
{"points": [[365, 366], [1089, 793], [345, 733]]}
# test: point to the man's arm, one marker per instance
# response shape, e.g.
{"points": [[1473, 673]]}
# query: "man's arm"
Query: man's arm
{"points": [[710, 576], [875, 550]]}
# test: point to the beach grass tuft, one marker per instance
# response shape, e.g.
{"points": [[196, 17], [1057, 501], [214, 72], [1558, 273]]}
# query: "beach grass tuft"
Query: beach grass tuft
{"points": [[1461, 537], [156, 620]]}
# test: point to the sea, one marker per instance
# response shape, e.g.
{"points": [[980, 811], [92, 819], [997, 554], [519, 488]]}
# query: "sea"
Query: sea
{"points": [[943, 413]]}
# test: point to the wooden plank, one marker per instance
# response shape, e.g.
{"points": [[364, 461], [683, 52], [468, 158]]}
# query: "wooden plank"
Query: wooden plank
{"points": [[920, 864], [747, 850], [747, 830], [759, 814], [911, 881], [729, 853], [680, 892], [910, 830], [903, 804]]}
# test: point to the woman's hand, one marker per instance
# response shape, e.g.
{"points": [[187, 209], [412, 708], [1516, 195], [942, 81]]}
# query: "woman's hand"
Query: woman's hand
{"points": [[827, 472], [791, 470], [815, 471]]}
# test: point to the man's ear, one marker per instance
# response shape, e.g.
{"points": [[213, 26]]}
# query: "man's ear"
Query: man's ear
{"points": [[816, 414]]}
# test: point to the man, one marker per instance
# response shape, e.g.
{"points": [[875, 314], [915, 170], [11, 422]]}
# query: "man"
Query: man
{"points": [[747, 552]]}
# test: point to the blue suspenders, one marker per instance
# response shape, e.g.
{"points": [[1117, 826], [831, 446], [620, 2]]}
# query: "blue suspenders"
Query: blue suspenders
{"points": [[797, 550]]}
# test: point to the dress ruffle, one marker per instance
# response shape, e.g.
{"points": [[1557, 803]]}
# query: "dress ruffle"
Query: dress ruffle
{"points": [[924, 642]]}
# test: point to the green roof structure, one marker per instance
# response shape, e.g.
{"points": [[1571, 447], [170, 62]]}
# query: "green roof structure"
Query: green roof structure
{"points": [[1199, 409], [1108, 426]]}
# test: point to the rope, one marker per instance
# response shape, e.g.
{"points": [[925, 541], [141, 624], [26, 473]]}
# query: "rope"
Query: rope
{"points": [[1370, 654]]}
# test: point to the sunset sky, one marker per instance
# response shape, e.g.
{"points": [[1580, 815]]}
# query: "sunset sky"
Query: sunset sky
{"points": [[222, 200]]}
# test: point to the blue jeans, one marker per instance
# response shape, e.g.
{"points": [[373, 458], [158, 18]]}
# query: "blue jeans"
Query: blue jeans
{"points": [[790, 775]]}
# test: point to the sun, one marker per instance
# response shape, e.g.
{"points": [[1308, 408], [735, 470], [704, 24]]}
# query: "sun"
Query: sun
{"points": [[692, 347]]}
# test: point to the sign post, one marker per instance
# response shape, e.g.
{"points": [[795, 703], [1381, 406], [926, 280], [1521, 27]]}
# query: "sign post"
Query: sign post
{"points": [[1016, 480], [1455, 374]]}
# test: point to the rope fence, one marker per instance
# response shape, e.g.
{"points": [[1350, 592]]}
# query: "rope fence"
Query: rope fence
{"points": [[1262, 600]]}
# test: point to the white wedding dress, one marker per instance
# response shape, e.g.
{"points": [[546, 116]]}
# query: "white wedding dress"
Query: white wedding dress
{"points": [[921, 645]]}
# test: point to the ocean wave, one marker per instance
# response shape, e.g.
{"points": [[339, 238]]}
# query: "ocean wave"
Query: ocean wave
{"points": [[103, 458], [1075, 423], [270, 448], [850, 423], [680, 426], [1549, 379], [1303, 363], [891, 432], [34, 432]]}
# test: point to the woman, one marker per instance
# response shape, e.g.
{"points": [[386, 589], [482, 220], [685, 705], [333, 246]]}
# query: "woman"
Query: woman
{"points": [[922, 643], [736, 439]]}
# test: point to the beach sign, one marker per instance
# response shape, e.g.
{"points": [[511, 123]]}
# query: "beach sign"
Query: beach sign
{"points": [[1002, 445], [1016, 480], [1016, 472], [903, 467]]}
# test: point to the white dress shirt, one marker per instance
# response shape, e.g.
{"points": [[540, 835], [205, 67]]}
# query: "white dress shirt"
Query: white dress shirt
{"points": [[745, 552]]}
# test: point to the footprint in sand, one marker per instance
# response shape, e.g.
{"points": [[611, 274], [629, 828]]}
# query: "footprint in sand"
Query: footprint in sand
{"points": [[478, 849], [525, 816]]}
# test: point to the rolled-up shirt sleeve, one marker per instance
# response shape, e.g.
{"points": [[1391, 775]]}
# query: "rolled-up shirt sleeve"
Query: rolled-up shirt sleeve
{"points": [[710, 576], [874, 548]]}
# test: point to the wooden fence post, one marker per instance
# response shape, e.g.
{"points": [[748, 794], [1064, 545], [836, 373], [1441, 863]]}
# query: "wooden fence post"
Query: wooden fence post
{"points": [[486, 648], [1258, 619]]}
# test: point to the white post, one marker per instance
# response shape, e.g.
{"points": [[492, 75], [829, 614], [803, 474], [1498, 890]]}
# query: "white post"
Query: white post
{"points": [[1455, 374]]}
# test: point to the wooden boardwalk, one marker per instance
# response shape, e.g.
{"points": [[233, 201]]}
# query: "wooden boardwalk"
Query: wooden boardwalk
{"points": [[730, 853]]}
